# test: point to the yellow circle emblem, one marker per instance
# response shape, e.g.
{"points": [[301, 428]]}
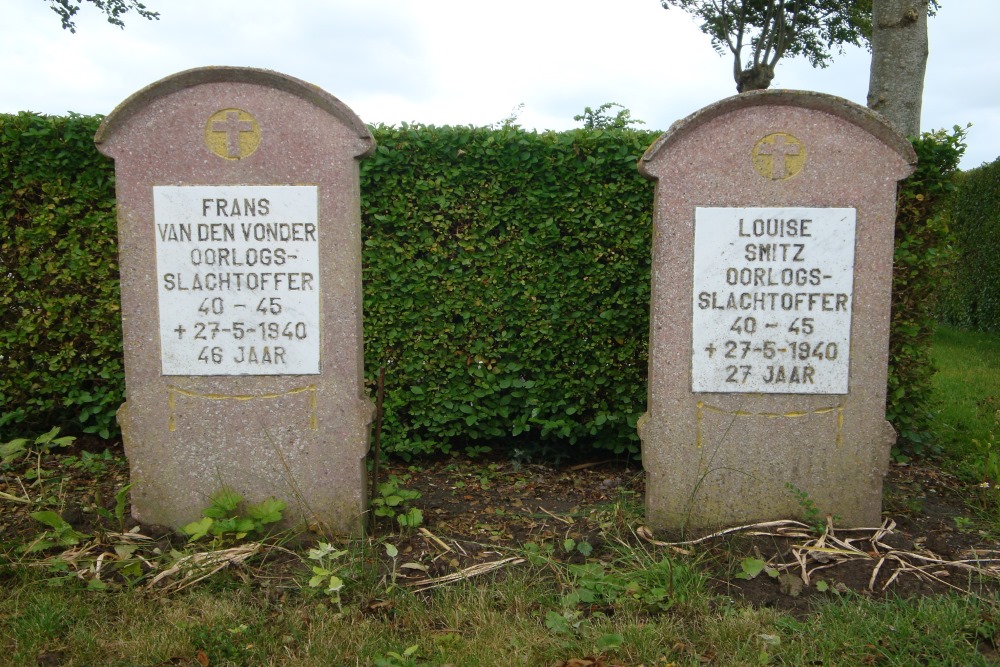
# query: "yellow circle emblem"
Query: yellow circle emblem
{"points": [[779, 156], [232, 134]]}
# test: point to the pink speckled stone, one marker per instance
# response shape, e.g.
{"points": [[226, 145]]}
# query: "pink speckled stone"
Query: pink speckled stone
{"points": [[715, 459], [301, 439]]}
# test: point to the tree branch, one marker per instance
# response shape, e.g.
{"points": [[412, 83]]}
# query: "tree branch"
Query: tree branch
{"points": [[741, 31], [780, 41], [767, 30], [725, 25]]}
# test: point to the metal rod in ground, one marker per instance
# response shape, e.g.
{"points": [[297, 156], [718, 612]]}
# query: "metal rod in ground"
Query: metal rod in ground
{"points": [[377, 445]]}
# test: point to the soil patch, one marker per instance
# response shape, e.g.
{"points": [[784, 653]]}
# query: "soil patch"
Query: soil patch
{"points": [[931, 541]]}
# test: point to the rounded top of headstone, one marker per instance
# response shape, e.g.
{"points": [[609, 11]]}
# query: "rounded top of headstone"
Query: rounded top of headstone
{"points": [[860, 116], [315, 95]]}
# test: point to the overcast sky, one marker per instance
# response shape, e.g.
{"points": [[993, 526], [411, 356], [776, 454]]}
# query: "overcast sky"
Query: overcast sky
{"points": [[467, 62]]}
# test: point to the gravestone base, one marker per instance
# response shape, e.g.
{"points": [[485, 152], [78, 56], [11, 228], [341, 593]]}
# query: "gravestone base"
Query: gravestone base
{"points": [[255, 447], [732, 474]]}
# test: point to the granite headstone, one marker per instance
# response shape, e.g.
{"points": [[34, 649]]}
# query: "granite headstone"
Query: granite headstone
{"points": [[773, 233], [240, 253]]}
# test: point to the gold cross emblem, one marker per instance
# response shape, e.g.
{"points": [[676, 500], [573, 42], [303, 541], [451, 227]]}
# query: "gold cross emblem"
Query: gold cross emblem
{"points": [[779, 156], [232, 134]]}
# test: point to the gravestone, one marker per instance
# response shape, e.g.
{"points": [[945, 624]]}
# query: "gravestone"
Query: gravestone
{"points": [[240, 256], [773, 222]]}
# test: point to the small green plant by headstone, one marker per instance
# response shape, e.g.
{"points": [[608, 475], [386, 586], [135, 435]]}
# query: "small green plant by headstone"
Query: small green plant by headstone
{"points": [[392, 552], [811, 513], [565, 622], [964, 524], [224, 519], [326, 569], [393, 501], [61, 534], [121, 506], [658, 586], [583, 548], [475, 451], [89, 462], [610, 641], [666, 584], [394, 659], [751, 567], [224, 645], [19, 448], [538, 554]]}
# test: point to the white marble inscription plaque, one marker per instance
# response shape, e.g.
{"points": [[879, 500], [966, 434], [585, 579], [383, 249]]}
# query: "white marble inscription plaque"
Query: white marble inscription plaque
{"points": [[238, 279], [773, 293]]}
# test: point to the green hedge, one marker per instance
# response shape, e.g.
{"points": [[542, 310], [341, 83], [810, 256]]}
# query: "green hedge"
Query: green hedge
{"points": [[60, 329], [974, 301], [923, 256], [506, 284], [506, 273]]}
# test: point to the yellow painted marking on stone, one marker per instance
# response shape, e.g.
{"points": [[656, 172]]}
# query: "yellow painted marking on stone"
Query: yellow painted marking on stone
{"points": [[312, 410], [778, 156], [173, 391], [701, 407], [241, 397], [171, 423], [232, 134], [769, 415]]}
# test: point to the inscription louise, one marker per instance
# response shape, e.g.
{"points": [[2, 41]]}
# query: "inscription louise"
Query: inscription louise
{"points": [[772, 300], [238, 274]]}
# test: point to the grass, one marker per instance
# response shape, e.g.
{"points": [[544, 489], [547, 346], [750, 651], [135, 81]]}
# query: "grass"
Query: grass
{"points": [[636, 605], [629, 604], [967, 388], [500, 623], [967, 424]]}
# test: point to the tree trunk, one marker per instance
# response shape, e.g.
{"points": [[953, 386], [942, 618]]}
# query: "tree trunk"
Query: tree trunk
{"points": [[757, 77], [899, 58]]}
